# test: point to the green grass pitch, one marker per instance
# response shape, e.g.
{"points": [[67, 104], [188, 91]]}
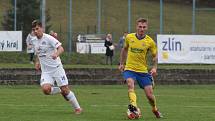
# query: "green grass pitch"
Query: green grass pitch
{"points": [[107, 103]]}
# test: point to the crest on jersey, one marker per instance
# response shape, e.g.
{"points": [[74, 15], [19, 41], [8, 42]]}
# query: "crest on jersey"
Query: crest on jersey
{"points": [[43, 43]]}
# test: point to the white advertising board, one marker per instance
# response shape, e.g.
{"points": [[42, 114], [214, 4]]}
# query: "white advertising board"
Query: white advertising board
{"points": [[94, 48], [10, 40], [97, 48], [82, 47], [186, 49]]}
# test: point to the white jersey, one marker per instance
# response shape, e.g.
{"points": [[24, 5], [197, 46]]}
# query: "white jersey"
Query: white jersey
{"points": [[44, 48], [30, 42]]}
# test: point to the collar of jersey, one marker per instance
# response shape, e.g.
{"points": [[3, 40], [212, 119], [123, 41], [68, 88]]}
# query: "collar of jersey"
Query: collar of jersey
{"points": [[140, 38]]}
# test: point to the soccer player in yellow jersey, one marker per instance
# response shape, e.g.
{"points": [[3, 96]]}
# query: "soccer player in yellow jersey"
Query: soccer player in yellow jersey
{"points": [[133, 64]]}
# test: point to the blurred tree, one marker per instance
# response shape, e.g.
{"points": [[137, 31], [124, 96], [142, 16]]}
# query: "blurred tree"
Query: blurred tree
{"points": [[26, 12]]}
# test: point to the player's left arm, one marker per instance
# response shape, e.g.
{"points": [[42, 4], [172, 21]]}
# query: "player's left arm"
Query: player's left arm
{"points": [[58, 52], [153, 50], [56, 44], [154, 67]]}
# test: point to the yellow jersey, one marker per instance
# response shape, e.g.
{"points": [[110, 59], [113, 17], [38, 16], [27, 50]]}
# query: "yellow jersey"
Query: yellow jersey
{"points": [[137, 50]]}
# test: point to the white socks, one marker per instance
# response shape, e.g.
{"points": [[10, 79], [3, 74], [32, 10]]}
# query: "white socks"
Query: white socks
{"points": [[72, 99], [71, 96], [55, 90]]}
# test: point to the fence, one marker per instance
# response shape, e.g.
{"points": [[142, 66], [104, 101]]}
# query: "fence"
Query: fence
{"points": [[117, 16]]}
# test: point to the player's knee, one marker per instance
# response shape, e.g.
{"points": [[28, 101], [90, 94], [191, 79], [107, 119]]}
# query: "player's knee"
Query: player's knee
{"points": [[64, 93], [46, 90], [130, 83], [65, 90]]}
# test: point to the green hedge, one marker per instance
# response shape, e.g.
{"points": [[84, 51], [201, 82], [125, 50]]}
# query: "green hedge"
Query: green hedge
{"points": [[73, 58]]}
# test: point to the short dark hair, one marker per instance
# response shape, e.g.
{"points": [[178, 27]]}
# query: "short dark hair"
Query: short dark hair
{"points": [[142, 20], [36, 23]]}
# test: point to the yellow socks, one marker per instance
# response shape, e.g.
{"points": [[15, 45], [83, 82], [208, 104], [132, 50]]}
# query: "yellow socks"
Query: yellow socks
{"points": [[133, 100], [132, 97]]}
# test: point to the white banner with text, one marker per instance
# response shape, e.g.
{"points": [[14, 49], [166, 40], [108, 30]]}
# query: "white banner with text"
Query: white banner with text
{"points": [[186, 49], [10, 40], [94, 48]]}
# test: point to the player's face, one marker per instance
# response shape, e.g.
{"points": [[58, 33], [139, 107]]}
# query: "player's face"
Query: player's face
{"points": [[141, 28], [38, 31]]}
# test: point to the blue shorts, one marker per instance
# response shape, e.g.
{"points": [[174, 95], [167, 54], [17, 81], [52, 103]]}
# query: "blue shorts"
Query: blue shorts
{"points": [[143, 79]]}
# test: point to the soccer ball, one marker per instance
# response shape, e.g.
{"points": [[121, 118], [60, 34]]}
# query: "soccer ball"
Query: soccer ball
{"points": [[132, 115]]}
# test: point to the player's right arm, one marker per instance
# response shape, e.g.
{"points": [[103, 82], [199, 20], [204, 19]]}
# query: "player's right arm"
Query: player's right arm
{"points": [[123, 56], [37, 63], [27, 41]]}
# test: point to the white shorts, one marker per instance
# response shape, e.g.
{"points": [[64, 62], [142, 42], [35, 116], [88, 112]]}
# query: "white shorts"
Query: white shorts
{"points": [[59, 76]]}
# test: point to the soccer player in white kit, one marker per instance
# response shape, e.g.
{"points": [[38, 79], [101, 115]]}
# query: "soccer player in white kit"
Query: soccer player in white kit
{"points": [[48, 50]]}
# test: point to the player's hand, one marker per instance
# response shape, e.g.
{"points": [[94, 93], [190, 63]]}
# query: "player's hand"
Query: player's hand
{"points": [[153, 72], [37, 66], [54, 56], [121, 67]]}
